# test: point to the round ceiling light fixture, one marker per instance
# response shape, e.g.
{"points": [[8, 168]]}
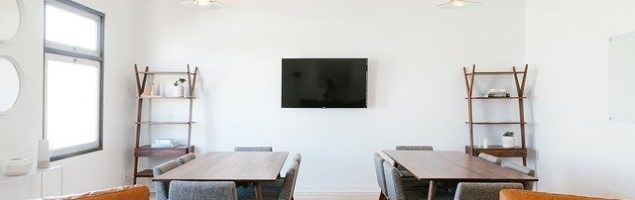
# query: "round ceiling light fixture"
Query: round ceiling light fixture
{"points": [[458, 4], [208, 4]]}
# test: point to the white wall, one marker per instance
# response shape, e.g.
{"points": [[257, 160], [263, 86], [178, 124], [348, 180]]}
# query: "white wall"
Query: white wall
{"points": [[416, 87], [20, 131], [579, 150]]}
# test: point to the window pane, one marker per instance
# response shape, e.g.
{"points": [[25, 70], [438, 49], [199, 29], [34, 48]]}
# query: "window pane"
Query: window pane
{"points": [[72, 98], [64, 27]]}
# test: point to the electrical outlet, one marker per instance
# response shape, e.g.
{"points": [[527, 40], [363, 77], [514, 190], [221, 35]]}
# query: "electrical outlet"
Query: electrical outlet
{"points": [[127, 176]]}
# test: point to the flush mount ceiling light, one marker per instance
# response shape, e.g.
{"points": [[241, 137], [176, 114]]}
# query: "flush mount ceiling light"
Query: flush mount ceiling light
{"points": [[208, 4], [459, 3]]}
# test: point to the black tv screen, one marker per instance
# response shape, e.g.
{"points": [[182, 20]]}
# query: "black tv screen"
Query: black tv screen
{"points": [[324, 83]]}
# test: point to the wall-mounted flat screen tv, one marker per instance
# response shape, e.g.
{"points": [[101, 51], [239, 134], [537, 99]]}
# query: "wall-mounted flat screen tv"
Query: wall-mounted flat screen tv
{"points": [[324, 83]]}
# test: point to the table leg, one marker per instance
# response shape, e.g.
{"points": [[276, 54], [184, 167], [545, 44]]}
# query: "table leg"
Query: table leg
{"points": [[432, 190], [62, 181], [258, 191], [42, 185]]}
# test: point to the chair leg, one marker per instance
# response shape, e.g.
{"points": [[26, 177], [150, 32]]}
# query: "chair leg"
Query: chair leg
{"points": [[382, 196]]}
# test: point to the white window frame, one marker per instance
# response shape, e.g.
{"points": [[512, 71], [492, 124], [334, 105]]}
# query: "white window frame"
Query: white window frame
{"points": [[57, 51]]}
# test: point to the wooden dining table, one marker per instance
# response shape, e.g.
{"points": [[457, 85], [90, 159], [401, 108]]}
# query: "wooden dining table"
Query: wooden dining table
{"points": [[240, 167], [449, 166]]}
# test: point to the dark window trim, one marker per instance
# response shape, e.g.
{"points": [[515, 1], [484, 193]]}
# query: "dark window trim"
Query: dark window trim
{"points": [[100, 59]]}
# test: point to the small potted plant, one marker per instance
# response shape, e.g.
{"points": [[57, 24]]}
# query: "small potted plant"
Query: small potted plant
{"points": [[178, 87], [509, 140]]}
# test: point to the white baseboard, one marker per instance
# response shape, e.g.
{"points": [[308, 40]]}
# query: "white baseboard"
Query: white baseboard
{"points": [[336, 196]]}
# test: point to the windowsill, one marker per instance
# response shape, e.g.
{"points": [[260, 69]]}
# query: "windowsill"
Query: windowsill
{"points": [[79, 153]]}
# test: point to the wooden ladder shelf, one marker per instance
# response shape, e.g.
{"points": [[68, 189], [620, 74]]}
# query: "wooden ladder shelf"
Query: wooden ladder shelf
{"points": [[520, 88], [146, 150]]}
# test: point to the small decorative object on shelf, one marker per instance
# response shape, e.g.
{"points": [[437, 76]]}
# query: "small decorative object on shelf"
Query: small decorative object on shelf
{"points": [[163, 143], [158, 92], [178, 87], [485, 143], [497, 93], [508, 140], [17, 167]]}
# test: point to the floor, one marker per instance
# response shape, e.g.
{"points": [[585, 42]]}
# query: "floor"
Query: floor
{"points": [[336, 196], [328, 196]]}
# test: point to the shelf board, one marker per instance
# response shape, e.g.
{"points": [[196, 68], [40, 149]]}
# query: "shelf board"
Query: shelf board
{"points": [[487, 98], [144, 173], [495, 73], [163, 123], [498, 150], [166, 73], [148, 151], [142, 97], [495, 123]]}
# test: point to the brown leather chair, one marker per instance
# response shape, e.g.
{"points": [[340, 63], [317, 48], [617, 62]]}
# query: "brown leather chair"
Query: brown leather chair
{"points": [[132, 192], [524, 194]]}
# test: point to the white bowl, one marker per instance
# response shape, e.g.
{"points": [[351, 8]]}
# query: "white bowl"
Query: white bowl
{"points": [[17, 167]]}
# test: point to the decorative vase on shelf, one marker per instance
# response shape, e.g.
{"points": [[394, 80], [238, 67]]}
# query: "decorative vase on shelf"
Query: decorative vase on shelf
{"points": [[178, 88], [485, 143], [177, 91], [508, 140], [17, 167]]}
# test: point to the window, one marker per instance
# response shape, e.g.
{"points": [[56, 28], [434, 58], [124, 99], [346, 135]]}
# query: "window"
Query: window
{"points": [[73, 78]]}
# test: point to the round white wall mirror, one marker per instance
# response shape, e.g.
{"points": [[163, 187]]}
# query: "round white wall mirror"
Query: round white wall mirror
{"points": [[9, 84], [9, 19]]}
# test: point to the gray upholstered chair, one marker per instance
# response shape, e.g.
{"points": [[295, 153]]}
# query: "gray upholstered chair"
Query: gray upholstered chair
{"points": [[281, 189], [414, 148], [395, 187], [185, 158], [288, 185], [161, 188], [490, 158], [410, 183], [253, 149], [381, 178], [202, 190], [529, 185], [482, 191]]}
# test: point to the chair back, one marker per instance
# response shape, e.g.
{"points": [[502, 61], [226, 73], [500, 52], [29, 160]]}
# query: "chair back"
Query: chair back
{"points": [[298, 158], [394, 186], [379, 172], [490, 158], [522, 169], [199, 190], [185, 158], [253, 149], [482, 191], [161, 188], [136, 192], [529, 185], [290, 179], [414, 148]]}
